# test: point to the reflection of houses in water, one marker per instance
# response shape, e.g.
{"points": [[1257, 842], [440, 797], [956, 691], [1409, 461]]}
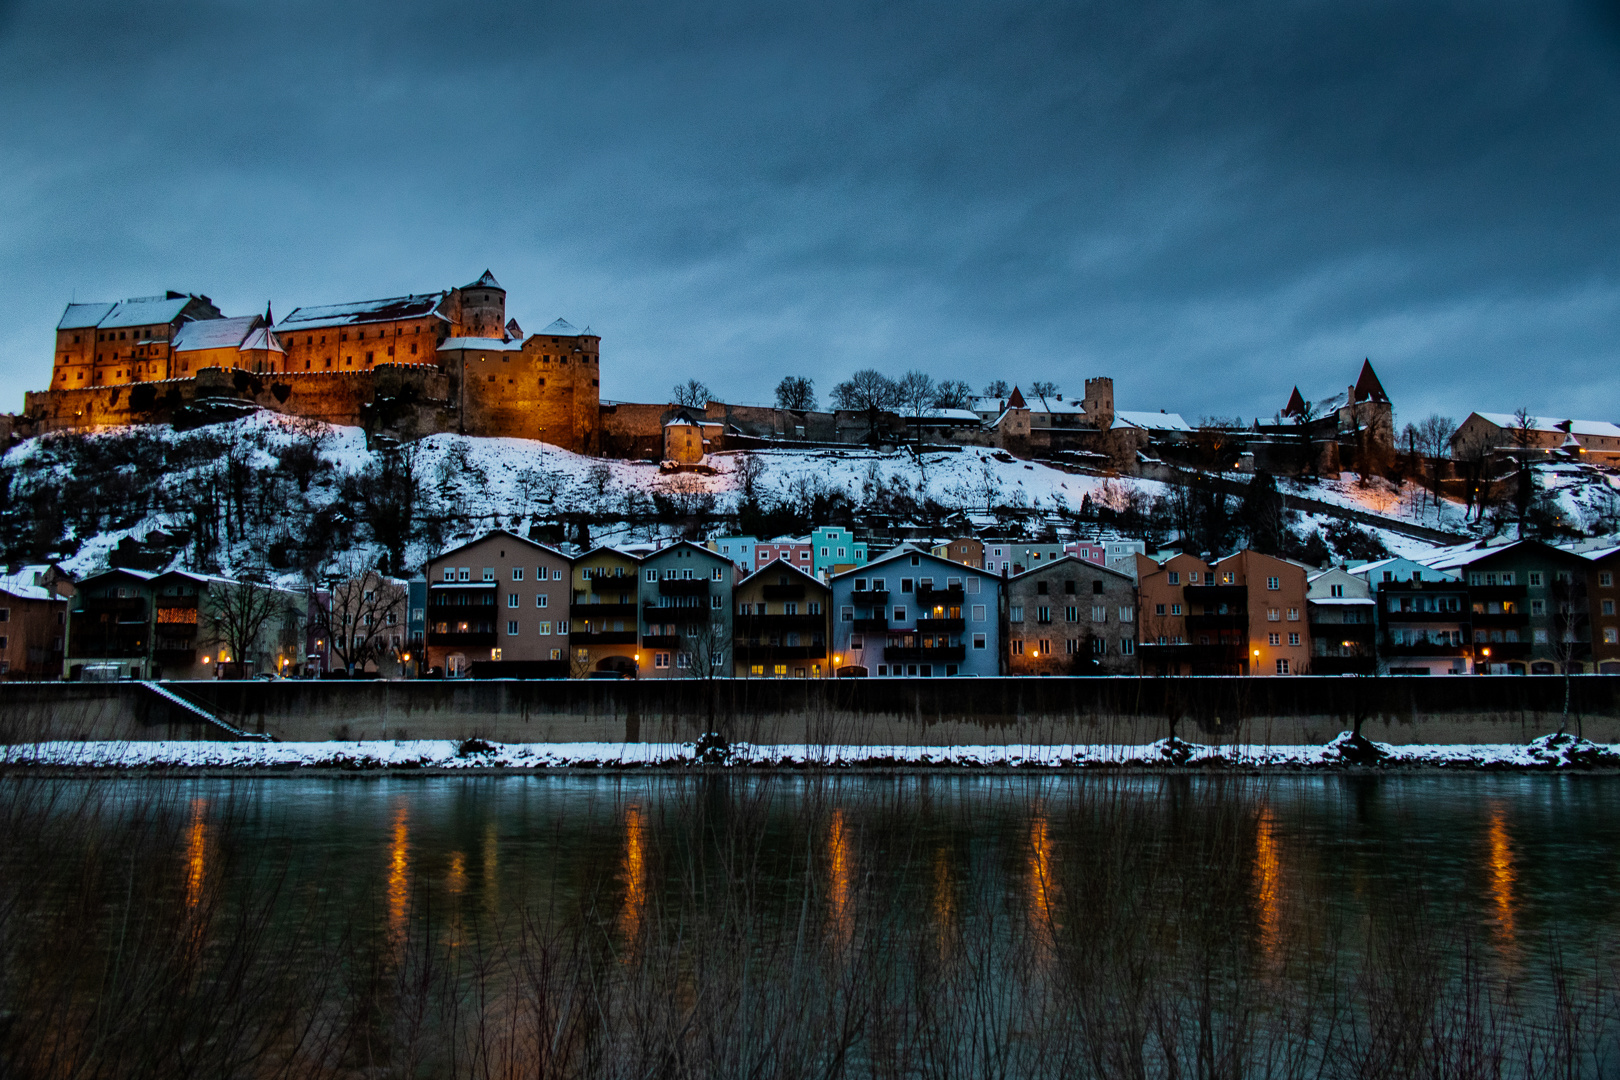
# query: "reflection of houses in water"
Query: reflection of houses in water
{"points": [[944, 903], [399, 871], [1504, 876], [1267, 885], [1041, 888], [839, 914], [196, 853], [634, 873]]}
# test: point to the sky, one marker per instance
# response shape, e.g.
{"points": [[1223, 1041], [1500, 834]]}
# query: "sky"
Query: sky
{"points": [[1208, 202]]}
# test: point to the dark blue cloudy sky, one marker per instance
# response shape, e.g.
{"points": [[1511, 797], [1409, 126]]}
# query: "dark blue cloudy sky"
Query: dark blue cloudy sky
{"points": [[1208, 201]]}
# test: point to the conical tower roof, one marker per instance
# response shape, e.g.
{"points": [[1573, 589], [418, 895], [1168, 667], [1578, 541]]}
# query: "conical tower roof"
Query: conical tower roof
{"points": [[486, 282], [1296, 404], [1368, 388]]}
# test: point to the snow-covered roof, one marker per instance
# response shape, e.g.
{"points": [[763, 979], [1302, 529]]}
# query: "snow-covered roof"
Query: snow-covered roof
{"points": [[80, 316], [414, 306], [214, 333], [486, 281], [777, 567], [1152, 421], [561, 328], [1045, 567], [263, 340], [1467, 555], [145, 311], [1555, 424], [488, 344], [24, 584], [1340, 601], [966, 416]]}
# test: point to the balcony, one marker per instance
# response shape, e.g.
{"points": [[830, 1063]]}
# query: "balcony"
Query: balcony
{"points": [[611, 637], [755, 654], [869, 596], [1216, 624], [1216, 595], [948, 595], [121, 609], [116, 648], [1500, 650], [602, 611], [683, 587], [653, 613], [765, 624], [791, 591], [1458, 616], [461, 612], [454, 639], [1516, 620], [939, 654], [613, 583], [871, 626], [660, 641], [1427, 650], [174, 656], [941, 626]]}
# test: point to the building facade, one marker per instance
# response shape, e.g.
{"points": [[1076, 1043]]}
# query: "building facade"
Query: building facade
{"points": [[33, 622], [1342, 622], [912, 613], [499, 606], [835, 550], [604, 616], [1242, 615], [686, 606], [1070, 617], [783, 624]]}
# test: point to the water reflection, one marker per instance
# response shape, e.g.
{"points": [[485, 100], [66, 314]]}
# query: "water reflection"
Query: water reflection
{"points": [[634, 873], [839, 876], [1040, 883], [487, 882], [196, 853], [1266, 884], [944, 904], [1504, 876], [399, 871]]}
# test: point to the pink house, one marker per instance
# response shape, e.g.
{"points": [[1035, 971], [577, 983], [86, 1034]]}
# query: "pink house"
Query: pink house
{"points": [[796, 551]]}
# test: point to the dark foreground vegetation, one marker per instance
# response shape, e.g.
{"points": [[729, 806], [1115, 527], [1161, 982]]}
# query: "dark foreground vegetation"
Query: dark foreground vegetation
{"points": [[1107, 929]]}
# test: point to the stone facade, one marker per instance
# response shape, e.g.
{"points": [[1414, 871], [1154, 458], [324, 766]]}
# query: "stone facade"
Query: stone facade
{"points": [[1071, 617], [404, 367]]}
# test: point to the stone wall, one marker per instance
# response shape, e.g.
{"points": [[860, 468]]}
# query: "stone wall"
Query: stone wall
{"points": [[872, 712]]}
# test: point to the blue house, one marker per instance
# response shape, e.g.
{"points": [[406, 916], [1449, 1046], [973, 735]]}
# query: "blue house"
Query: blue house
{"points": [[834, 549], [911, 613]]}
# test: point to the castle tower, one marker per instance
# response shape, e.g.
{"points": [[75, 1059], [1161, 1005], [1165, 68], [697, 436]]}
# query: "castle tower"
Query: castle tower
{"points": [[1099, 402], [481, 309]]}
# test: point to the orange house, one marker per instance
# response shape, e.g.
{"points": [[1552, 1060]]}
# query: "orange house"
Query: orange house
{"points": [[1241, 615]]}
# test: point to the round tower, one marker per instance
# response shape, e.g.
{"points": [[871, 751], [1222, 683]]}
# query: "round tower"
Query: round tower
{"points": [[481, 311]]}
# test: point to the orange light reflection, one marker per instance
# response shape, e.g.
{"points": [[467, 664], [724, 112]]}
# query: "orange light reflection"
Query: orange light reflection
{"points": [[1267, 875], [634, 872], [838, 882], [399, 870], [1040, 884], [1504, 876], [196, 853]]}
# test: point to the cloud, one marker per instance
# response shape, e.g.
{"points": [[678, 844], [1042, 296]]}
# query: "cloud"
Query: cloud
{"points": [[1208, 202]]}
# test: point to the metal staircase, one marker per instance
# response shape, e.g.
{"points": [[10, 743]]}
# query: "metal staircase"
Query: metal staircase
{"points": [[191, 707]]}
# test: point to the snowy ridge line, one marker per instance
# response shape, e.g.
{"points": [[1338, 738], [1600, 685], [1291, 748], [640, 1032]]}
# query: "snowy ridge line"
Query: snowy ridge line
{"points": [[1549, 752]]}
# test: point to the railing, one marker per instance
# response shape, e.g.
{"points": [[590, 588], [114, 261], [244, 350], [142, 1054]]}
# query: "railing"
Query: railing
{"points": [[869, 596], [939, 654], [941, 626], [613, 583], [1460, 615], [763, 653], [683, 586], [660, 641], [949, 595], [601, 611], [765, 623], [470, 637], [612, 637], [871, 626]]}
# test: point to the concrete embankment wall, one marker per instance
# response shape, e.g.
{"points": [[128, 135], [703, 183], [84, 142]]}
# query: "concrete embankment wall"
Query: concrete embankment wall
{"points": [[919, 712]]}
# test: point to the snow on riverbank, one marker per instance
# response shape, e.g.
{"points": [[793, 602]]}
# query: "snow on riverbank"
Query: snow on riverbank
{"points": [[1547, 753]]}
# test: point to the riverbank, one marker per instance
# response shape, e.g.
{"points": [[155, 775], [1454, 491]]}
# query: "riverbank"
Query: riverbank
{"points": [[445, 756]]}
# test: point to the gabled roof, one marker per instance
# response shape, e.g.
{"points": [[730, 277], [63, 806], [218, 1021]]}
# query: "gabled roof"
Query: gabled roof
{"points": [[24, 584], [1046, 567], [1017, 400], [83, 316], [561, 328], [1368, 388], [414, 306], [693, 544], [487, 281], [215, 333], [907, 549], [146, 311], [1152, 421], [261, 340], [1468, 554], [1296, 404], [1549, 424], [505, 534], [782, 566]]}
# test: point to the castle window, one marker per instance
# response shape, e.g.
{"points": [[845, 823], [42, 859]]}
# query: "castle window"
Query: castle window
{"points": [[413, 348], [390, 350], [593, 382], [307, 364], [542, 382], [343, 337], [328, 361]]}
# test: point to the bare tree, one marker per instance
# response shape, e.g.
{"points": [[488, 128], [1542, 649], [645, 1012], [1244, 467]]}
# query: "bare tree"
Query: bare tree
{"points": [[1524, 440], [796, 392], [916, 391], [1216, 443], [953, 394], [238, 613], [1572, 627], [1433, 441], [362, 618], [1473, 459], [1043, 389], [996, 388], [867, 390], [749, 472], [691, 393]]}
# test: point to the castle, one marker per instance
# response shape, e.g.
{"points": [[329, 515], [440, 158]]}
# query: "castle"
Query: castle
{"points": [[403, 367]]}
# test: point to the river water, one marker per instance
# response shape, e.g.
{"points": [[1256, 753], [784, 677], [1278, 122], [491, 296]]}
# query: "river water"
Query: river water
{"points": [[786, 925]]}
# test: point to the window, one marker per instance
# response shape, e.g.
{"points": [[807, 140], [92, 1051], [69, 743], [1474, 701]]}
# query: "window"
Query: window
{"points": [[1273, 639], [1071, 614], [1273, 583], [1158, 609], [1541, 636], [652, 575], [790, 608], [1293, 639], [1175, 578], [714, 602], [1608, 607], [1606, 579], [978, 641], [1044, 646], [1611, 635], [905, 584], [972, 584], [1293, 614], [511, 600], [846, 614], [978, 613], [1228, 577], [1127, 647], [540, 601], [718, 574], [840, 552], [545, 628], [517, 573], [1040, 588], [464, 573], [1175, 609], [1282, 667], [1099, 613], [661, 660], [1535, 577], [1043, 614], [1099, 646], [899, 614], [489, 573], [511, 628], [1127, 612], [1097, 587], [1018, 648], [1015, 613], [1336, 590], [449, 573], [1538, 607]]}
